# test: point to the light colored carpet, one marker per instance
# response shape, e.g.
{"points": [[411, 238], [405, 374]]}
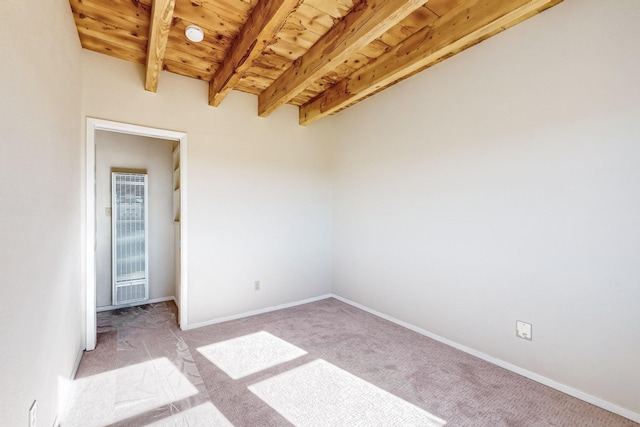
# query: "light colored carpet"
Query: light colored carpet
{"points": [[452, 385], [205, 415], [246, 355], [120, 394], [321, 394]]}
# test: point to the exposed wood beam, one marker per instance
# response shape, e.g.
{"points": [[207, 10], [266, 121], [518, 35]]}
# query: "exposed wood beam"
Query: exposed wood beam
{"points": [[262, 26], [454, 32], [161, 16], [367, 21]]}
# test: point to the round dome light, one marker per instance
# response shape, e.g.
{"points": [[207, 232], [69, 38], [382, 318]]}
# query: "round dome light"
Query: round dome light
{"points": [[194, 33]]}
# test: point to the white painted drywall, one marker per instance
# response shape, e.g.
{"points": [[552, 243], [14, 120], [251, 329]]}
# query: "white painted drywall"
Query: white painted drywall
{"points": [[117, 151], [504, 184], [259, 189], [41, 312]]}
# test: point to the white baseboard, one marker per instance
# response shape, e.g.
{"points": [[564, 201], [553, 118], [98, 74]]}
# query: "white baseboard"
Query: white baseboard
{"points": [[135, 304], [254, 312], [506, 365]]}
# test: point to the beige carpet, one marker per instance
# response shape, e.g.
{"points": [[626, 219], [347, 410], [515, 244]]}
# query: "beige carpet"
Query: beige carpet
{"points": [[357, 354]]}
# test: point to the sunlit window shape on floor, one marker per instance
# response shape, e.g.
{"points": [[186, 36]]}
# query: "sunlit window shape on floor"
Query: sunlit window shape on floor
{"points": [[205, 415], [124, 393], [248, 354], [320, 394]]}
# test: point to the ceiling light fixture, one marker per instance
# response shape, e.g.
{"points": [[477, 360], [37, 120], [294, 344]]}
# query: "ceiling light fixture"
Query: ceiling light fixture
{"points": [[194, 33]]}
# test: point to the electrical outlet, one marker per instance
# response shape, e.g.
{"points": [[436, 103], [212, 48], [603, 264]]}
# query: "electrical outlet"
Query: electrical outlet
{"points": [[256, 285], [32, 415], [523, 330]]}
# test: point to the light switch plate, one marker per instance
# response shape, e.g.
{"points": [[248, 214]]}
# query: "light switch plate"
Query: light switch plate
{"points": [[523, 330]]}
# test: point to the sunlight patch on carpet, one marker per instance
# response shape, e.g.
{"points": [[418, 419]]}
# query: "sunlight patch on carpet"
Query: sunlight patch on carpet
{"points": [[123, 393], [205, 415], [321, 394], [249, 354]]}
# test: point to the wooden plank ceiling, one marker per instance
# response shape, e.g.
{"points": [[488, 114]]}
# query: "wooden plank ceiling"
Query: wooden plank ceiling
{"points": [[320, 55]]}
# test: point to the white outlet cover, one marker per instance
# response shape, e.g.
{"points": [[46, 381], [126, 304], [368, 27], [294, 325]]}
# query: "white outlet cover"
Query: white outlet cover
{"points": [[523, 330]]}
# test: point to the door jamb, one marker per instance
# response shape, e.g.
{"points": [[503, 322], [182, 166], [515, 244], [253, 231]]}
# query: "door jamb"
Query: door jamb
{"points": [[94, 125]]}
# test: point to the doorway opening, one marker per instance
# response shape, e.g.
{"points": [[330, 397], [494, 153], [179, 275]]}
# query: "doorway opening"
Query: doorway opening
{"points": [[179, 174]]}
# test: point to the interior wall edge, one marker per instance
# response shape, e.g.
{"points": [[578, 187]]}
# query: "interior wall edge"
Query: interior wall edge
{"points": [[601, 403], [66, 391]]}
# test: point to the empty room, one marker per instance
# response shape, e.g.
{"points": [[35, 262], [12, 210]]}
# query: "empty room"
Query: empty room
{"points": [[320, 213]]}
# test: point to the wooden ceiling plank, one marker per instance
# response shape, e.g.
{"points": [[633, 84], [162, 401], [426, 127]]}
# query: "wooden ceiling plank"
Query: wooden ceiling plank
{"points": [[285, 49], [184, 69], [272, 61], [127, 10], [193, 61], [205, 52], [445, 38], [248, 87], [112, 49], [311, 19], [335, 9], [367, 21], [261, 27], [111, 35], [234, 11], [161, 16], [207, 19]]}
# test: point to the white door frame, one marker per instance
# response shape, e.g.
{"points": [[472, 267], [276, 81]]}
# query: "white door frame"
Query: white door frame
{"points": [[94, 125]]}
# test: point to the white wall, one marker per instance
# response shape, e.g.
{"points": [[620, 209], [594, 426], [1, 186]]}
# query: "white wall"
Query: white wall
{"points": [[258, 193], [504, 184], [117, 151], [41, 317]]}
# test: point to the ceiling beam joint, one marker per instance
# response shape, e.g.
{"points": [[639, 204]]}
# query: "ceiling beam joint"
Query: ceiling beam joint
{"points": [[367, 21], [265, 21]]}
